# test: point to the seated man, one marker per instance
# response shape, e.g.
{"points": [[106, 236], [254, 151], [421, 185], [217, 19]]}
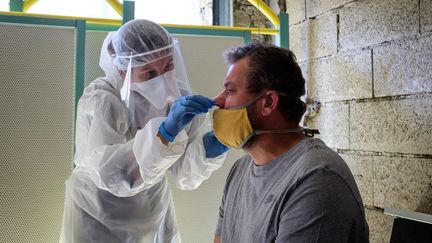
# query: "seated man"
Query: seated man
{"points": [[289, 187]]}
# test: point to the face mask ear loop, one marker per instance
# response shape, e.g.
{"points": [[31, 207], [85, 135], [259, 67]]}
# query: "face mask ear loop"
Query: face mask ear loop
{"points": [[254, 133], [125, 90], [247, 103], [306, 131], [258, 132]]}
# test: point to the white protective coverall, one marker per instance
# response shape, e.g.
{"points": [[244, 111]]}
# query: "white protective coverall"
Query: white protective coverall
{"points": [[118, 191]]}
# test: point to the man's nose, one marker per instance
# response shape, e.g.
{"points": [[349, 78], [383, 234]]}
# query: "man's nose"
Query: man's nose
{"points": [[220, 99]]}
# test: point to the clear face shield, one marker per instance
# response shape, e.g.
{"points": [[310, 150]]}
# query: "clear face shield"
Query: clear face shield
{"points": [[159, 76], [144, 62]]}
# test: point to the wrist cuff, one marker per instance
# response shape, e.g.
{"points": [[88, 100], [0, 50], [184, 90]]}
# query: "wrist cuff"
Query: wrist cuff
{"points": [[164, 133]]}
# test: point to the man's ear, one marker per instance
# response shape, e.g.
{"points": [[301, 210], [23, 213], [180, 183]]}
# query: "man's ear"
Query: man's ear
{"points": [[271, 101]]}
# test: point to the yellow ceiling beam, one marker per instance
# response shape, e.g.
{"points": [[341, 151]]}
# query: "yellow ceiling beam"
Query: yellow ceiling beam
{"points": [[116, 5], [267, 11], [88, 20], [27, 4], [217, 27]]}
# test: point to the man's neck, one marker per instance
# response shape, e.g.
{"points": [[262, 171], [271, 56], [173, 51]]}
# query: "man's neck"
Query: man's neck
{"points": [[267, 147]]}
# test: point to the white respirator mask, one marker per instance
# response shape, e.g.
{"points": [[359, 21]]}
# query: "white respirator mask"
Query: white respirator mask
{"points": [[159, 91]]}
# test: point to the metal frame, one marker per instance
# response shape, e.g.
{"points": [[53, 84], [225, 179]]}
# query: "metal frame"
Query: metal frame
{"points": [[16, 5], [247, 36], [283, 37], [102, 27], [79, 25], [187, 30], [127, 12]]}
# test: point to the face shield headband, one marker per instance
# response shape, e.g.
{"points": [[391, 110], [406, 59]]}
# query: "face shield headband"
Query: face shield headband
{"points": [[123, 62], [233, 128]]}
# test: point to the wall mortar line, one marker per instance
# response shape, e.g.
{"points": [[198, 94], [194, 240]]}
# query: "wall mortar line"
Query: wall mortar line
{"points": [[373, 74]]}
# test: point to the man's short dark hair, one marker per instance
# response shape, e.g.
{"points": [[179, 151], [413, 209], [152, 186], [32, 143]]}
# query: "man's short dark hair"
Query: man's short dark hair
{"points": [[273, 68]]}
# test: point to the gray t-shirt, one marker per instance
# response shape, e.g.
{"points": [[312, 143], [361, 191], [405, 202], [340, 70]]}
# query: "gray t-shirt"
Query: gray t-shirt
{"points": [[308, 194]]}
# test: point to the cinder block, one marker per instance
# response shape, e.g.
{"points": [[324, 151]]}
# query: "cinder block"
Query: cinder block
{"points": [[402, 125], [343, 77], [245, 14], [365, 23], [297, 36], [304, 68], [316, 7], [296, 11], [241, 19], [314, 38], [332, 122], [403, 68], [404, 183], [362, 169], [425, 15], [380, 226]]}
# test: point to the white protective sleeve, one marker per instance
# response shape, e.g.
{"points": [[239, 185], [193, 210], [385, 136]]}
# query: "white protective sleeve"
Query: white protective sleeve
{"points": [[124, 167], [185, 155]]}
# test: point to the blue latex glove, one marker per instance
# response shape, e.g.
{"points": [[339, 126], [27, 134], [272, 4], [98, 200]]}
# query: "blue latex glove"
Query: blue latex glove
{"points": [[183, 110], [212, 146]]}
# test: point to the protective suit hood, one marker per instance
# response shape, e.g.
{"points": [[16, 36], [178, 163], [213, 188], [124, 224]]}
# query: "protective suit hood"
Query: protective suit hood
{"points": [[107, 64]]}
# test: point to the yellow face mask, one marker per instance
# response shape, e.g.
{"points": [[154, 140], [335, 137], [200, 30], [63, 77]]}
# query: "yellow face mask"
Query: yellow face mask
{"points": [[232, 127]]}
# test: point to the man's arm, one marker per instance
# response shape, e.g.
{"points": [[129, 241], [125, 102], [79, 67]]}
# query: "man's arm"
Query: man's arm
{"points": [[219, 226], [321, 209]]}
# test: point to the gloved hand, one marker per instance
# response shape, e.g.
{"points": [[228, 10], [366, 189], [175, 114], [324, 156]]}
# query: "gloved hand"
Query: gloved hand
{"points": [[182, 112], [212, 146]]}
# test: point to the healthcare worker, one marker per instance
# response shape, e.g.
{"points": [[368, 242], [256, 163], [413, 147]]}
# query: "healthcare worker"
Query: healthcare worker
{"points": [[132, 126]]}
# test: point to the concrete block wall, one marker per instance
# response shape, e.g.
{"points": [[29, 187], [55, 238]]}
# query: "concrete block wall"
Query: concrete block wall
{"points": [[369, 62]]}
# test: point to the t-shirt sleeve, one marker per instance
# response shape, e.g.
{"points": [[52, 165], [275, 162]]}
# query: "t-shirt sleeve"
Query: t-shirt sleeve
{"points": [[321, 208], [220, 218]]}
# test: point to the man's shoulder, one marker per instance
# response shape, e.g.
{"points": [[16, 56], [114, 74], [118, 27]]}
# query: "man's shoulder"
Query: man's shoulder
{"points": [[314, 155], [316, 147]]}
